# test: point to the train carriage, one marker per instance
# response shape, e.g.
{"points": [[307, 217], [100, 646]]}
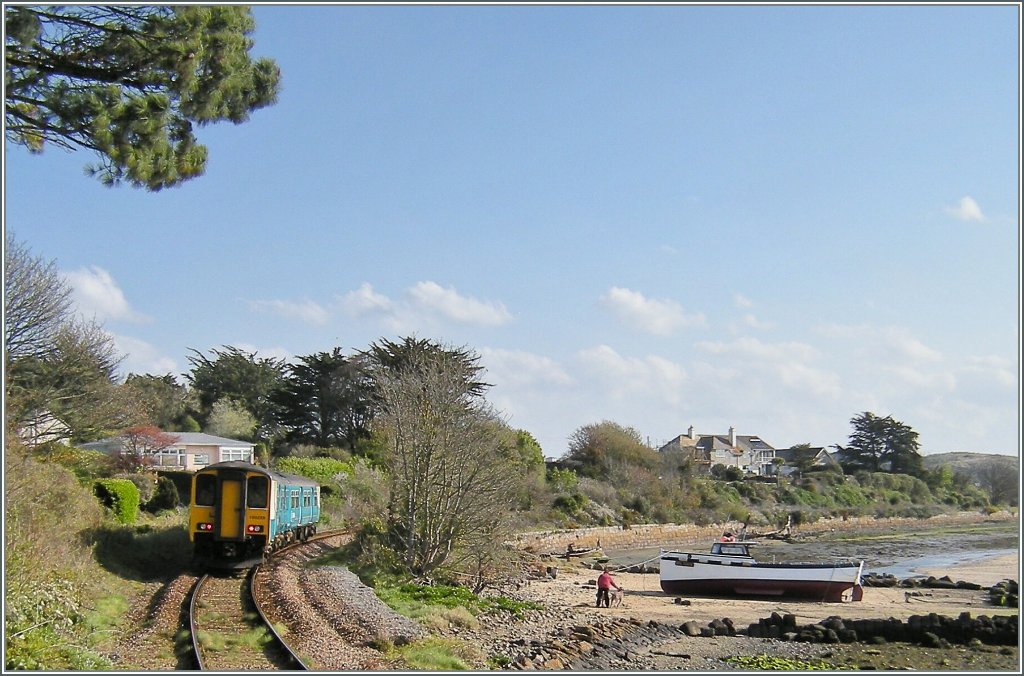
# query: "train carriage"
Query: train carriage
{"points": [[239, 512]]}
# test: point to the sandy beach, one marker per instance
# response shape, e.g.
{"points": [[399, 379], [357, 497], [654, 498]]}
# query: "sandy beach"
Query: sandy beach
{"points": [[574, 588]]}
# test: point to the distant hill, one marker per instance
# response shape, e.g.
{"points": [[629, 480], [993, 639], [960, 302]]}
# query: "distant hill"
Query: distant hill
{"points": [[973, 465]]}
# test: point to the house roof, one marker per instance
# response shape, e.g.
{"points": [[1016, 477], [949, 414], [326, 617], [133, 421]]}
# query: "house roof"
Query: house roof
{"points": [[184, 439], [202, 438]]}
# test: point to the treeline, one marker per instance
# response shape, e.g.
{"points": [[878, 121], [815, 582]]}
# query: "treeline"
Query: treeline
{"points": [[410, 453], [610, 477]]}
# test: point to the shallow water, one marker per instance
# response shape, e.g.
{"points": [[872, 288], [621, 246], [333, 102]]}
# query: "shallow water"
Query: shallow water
{"points": [[898, 553], [910, 567]]}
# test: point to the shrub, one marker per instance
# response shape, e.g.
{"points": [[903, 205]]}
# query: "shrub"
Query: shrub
{"points": [[562, 479], [86, 465], [570, 504], [164, 497], [321, 470], [121, 496], [146, 483]]}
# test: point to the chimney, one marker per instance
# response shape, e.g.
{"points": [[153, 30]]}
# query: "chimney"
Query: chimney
{"points": [[690, 433], [732, 436]]}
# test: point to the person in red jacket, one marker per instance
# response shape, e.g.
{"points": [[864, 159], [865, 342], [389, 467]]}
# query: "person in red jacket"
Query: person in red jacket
{"points": [[604, 586]]}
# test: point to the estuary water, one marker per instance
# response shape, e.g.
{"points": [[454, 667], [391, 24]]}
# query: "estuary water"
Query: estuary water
{"points": [[900, 554]]}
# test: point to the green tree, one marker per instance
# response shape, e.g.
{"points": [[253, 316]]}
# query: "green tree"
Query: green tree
{"points": [[452, 481], [601, 450], [130, 83], [394, 356], [229, 418], [803, 456], [326, 400], [529, 452], [877, 441], [165, 401], [234, 374], [902, 449]]}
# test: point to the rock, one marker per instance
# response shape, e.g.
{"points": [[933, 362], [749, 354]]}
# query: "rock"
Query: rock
{"points": [[691, 628]]}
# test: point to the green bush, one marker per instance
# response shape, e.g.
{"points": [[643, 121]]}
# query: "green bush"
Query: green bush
{"points": [[562, 480], [87, 466], [164, 497], [146, 483], [321, 470], [570, 504], [121, 496]]}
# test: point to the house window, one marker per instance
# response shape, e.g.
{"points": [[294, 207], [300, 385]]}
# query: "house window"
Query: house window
{"points": [[243, 454], [201, 459], [169, 457]]}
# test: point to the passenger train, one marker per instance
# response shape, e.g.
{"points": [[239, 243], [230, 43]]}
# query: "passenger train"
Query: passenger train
{"points": [[240, 512]]}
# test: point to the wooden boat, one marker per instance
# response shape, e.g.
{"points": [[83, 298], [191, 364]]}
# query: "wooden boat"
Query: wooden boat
{"points": [[589, 551], [730, 570]]}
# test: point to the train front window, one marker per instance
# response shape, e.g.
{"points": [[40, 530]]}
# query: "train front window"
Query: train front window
{"points": [[256, 493], [206, 489]]}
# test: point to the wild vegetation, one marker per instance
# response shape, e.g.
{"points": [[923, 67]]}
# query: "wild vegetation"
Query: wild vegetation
{"points": [[410, 454]]}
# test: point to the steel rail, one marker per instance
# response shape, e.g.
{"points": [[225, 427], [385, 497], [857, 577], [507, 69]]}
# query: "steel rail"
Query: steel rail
{"points": [[193, 628]]}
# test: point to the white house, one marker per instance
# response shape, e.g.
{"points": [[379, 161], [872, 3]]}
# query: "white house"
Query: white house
{"points": [[747, 453], [192, 450]]}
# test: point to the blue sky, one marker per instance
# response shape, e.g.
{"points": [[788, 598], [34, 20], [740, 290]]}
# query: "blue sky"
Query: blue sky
{"points": [[771, 218]]}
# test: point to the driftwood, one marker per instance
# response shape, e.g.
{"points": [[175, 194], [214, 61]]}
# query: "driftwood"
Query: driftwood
{"points": [[784, 533], [577, 552]]}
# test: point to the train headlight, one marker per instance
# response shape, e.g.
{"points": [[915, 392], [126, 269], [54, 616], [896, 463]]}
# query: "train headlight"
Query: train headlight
{"points": [[254, 529], [204, 526]]}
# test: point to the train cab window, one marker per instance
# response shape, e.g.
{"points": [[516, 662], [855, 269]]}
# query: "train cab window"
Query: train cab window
{"points": [[256, 493], [206, 489]]}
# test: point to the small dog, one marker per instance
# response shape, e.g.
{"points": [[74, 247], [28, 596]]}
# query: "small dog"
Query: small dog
{"points": [[615, 597]]}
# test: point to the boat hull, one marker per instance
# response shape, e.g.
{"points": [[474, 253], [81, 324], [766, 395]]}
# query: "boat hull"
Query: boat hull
{"points": [[697, 575]]}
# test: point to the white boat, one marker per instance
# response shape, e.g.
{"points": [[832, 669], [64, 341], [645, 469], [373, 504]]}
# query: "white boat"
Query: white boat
{"points": [[730, 570]]}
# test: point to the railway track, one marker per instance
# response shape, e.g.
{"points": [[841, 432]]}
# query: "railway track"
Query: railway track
{"points": [[230, 632], [229, 629]]}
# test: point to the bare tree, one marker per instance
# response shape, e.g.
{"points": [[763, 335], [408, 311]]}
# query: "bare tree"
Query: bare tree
{"points": [[452, 484], [37, 302], [1001, 480], [57, 364]]}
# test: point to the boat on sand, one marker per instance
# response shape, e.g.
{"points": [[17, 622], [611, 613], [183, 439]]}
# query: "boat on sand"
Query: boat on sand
{"points": [[730, 570]]}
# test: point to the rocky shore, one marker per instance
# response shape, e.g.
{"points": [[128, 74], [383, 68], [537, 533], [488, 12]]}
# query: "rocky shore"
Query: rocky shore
{"points": [[653, 632], [948, 619]]}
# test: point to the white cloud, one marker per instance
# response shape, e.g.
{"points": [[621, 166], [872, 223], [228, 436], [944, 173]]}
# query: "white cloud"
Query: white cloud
{"points": [[742, 301], [752, 360], [996, 370], [966, 210], [922, 379], [628, 377], [519, 368], [97, 295], [306, 311], [366, 301], [659, 317], [141, 357], [452, 305], [755, 323], [887, 343], [425, 303]]}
